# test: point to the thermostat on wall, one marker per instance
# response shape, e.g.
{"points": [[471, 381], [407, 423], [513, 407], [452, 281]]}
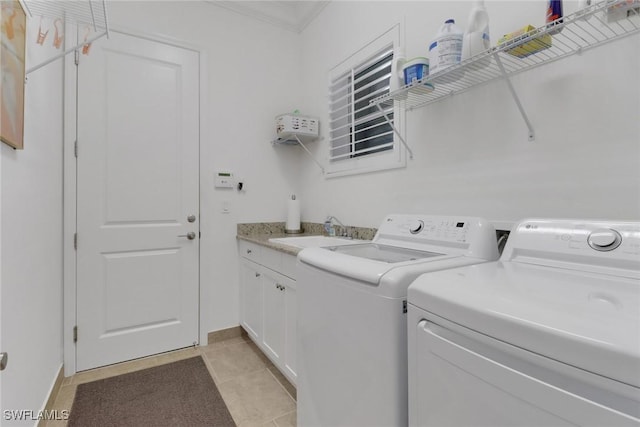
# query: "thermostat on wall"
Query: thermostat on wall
{"points": [[224, 180]]}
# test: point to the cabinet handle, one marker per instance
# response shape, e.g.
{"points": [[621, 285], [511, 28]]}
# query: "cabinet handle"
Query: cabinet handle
{"points": [[248, 251], [257, 274]]}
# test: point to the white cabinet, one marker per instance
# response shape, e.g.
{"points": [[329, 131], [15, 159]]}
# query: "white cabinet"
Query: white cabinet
{"points": [[290, 329], [268, 303], [251, 298], [274, 334]]}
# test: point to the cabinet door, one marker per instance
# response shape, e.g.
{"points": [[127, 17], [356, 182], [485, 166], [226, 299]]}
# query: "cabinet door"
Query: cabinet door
{"points": [[290, 327], [251, 298], [274, 316]]}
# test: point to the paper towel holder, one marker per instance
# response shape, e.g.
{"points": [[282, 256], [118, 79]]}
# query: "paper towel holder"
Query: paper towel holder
{"points": [[299, 230]]}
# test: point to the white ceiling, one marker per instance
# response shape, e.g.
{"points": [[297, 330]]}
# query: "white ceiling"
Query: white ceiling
{"points": [[292, 15]]}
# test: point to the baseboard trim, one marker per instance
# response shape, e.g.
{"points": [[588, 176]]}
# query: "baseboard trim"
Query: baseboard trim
{"points": [[53, 394], [224, 334]]}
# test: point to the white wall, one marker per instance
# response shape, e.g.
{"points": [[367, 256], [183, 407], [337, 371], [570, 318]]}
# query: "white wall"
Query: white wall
{"points": [[31, 223], [252, 77], [471, 151]]}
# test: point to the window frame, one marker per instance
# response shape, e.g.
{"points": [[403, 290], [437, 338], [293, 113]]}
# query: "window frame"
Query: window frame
{"points": [[393, 158]]}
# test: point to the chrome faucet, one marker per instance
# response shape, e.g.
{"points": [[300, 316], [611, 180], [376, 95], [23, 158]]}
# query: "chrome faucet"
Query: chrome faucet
{"points": [[330, 229]]}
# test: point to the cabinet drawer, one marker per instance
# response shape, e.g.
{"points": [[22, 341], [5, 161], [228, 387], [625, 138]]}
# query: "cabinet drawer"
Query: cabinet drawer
{"points": [[249, 250], [288, 266], [271, 259]]}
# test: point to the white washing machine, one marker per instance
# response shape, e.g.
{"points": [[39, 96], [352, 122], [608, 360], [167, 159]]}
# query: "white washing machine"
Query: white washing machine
{"points": [[549, 335], [352, 334]]}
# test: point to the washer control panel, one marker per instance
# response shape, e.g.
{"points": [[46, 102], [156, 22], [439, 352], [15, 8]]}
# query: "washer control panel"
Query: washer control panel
{"points": [[420, 227], [469, 236], [610, 243]]}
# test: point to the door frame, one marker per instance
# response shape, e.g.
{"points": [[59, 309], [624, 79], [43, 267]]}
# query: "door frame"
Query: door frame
{"points": [[70, 187]]}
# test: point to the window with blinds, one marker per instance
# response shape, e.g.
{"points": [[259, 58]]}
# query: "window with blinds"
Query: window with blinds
{"points": [[356, 128], [360, 140]]}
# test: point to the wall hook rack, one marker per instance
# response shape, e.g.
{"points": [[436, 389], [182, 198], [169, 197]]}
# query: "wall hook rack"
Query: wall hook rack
{"points": [[86, 12]]}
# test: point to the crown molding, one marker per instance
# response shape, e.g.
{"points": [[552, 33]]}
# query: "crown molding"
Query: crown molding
{"points": [[290, 15]]}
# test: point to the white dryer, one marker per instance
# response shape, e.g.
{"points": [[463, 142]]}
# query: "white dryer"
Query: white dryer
{"points": [[352, 336], [549, 335]]}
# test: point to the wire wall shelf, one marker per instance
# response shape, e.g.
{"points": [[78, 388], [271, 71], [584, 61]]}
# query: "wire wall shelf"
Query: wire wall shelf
{"points": [[588, 28], [91, 14]]}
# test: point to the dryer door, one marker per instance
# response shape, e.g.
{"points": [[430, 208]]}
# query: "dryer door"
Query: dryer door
{"points": [[458, 382]]}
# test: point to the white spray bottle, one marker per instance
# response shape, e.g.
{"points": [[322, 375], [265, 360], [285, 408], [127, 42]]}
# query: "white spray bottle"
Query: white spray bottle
{"points": [[476, 39]]}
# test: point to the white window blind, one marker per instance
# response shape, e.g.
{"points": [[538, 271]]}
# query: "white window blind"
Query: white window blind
{"points": [[356, 128]]}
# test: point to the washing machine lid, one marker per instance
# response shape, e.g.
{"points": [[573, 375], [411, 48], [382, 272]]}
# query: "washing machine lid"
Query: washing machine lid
{"points": [[587, 320], [383, 253], [370, 262]]}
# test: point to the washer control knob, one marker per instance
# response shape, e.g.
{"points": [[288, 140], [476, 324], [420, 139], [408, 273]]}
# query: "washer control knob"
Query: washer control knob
{"points": [[416, 226], [604, 239]]}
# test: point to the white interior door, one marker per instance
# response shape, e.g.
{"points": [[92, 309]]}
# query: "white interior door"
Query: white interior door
{"points": [[137, 200], [2, 321]]}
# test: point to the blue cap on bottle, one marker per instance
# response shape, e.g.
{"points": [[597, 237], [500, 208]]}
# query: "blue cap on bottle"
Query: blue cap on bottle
{"points": [[449, 21]]}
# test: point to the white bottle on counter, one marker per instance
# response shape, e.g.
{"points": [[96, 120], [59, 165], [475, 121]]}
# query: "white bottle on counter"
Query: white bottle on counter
{"points": [[476, 39], [446, 50]]}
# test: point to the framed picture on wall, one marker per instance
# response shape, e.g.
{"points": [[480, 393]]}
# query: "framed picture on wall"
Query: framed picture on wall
{"points": [[12, 72]]}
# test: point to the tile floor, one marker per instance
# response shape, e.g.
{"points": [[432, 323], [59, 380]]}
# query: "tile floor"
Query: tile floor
{"points": [[255, 392]]}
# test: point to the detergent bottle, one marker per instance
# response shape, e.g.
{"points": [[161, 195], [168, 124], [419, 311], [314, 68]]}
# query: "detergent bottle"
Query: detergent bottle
{"points": [[446, 50], [476, 39]]}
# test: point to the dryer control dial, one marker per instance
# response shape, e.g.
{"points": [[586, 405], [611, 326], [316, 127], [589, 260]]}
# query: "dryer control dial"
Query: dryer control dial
{"points": [[604, 239], [416, 226]]}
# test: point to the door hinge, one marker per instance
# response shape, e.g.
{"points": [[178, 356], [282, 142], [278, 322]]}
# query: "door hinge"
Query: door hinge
{"points": [[75, 240], [76, 57], [75, 334], [75, 149], [404, 306]]}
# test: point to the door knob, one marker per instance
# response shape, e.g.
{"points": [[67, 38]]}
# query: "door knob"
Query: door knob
{"points": [[191, 218], [4, 358], [190, 235]]}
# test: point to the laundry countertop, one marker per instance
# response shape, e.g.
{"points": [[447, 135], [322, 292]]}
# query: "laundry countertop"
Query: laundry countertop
{"points": [[260, 233], [263, 240]]}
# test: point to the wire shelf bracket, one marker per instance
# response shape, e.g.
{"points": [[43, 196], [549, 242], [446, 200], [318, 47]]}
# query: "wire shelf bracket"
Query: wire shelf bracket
{"points": [[86, 12], [516, 99], [395, 130], [296, 141]]}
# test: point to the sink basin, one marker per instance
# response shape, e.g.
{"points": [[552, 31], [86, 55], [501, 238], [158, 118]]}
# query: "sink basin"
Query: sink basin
{"points": [[313, 241]]}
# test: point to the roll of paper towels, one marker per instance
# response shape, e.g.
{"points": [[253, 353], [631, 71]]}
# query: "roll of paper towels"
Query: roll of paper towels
{"points": [[293, 215]]}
